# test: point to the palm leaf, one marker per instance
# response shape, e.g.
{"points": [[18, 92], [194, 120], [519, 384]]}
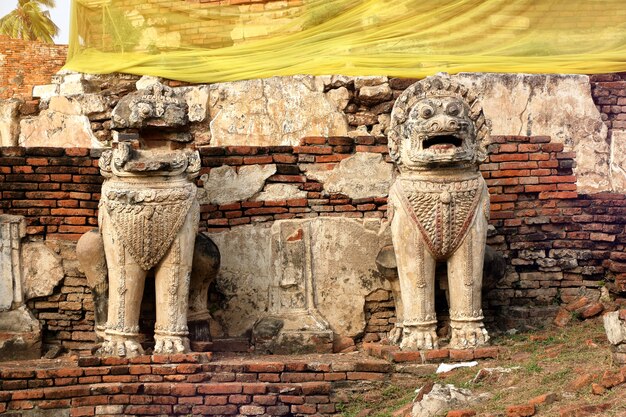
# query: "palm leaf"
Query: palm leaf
{"points": [[28, 21]]}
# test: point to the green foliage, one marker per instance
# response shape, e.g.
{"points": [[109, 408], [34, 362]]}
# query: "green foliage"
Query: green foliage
{"points": [[29, 21]]}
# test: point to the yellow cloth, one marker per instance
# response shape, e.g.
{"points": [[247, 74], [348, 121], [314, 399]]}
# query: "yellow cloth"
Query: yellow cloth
{"points": [[202, 41]]}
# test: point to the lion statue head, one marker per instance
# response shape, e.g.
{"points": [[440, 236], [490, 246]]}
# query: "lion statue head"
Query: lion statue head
{"points": [[437, 123]]}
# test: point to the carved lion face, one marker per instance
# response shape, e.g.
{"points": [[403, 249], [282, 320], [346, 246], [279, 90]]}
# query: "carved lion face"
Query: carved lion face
{"points": [[437, 122]]}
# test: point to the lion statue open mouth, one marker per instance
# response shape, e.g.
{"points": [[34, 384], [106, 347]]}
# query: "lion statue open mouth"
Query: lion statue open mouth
{"points": [[439, 208]]}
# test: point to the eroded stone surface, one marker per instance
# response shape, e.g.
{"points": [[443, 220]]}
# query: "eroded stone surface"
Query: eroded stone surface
{"points": [[615, 328], [278, 192], [20, 335], [249, 260], [43, 270], [12, 230], [197, 98], [618, 160], [360, 176], [56, 129], [442, 398], [559, 106], [226, 184], [9, 122], [273, 111]]}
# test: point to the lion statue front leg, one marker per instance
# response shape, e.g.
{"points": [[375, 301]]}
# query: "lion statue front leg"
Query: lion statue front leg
{"points": [[416, 270], [465, 274]]}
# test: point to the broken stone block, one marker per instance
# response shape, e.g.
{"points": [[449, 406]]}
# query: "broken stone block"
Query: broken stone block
{"points": [[368, 81], [43, 270], [362, 175], [262, 112], [225, 184], [9, 121], [615, 328], [375, 94], [44, 92], [20, 335]]}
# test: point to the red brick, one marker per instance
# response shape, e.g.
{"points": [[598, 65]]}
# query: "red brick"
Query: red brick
{"points": [[436, 354], [301, 376], [258, 160], [66, 392], [183, 390], [552, 147], [314, 140], [269, 377], [584, 410], [287, 178], [525, 410], [215, 400], [544, 399], [139, 369], [224, 388], [461, 354], [580, 382], [597, 389], [82, 411], [367, 376], [611, 379], [508, 157], [315, 388], [315, 150], [239, 399], [254, 388], [32, 394], [188, 368], [304, 408], [211, 410], [17, 374], [461, 413], [559, 195], [335, 376], [284, 159], [148, 409], [50, 404], [264, 399], [486, 352], [189, 400], [291, 399]]}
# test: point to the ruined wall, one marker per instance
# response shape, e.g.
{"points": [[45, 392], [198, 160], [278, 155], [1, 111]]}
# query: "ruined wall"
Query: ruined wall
{"points": [[25, 64], [559, 242]]}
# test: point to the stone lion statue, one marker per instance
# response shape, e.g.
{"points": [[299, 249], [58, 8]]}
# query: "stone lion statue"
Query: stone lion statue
{"points": [[439, 208]]}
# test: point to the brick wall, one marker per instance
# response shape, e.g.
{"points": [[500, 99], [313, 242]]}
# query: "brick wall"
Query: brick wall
{"points": [[609, 94], [25, 64], [557, 242], [190, 385]]}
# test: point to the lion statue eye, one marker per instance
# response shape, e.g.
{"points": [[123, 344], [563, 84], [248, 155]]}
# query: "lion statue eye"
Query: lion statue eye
{"points": [[426, 111], [453, 109]]}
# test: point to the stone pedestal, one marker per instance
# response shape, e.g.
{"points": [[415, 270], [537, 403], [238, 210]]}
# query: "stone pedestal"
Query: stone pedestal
{"points": [[20, 331]]}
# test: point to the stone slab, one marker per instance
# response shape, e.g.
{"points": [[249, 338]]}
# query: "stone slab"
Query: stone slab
{"points": [[273, 111]]}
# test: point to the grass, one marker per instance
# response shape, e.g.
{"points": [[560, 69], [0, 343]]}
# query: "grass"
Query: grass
{"points": [[549, 360]]}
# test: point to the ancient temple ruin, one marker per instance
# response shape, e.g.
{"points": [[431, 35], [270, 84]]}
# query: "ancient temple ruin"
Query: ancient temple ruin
{"points": [[282, 213]]}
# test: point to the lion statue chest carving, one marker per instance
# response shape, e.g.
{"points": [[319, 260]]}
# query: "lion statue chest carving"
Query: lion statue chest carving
{"points": [[439, 208]]}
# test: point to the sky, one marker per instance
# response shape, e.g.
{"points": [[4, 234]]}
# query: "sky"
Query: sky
{"points": [[60, 15]]}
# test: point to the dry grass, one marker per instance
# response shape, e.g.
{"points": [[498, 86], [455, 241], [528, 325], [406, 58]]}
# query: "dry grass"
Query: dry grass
{"points": [[549, 360]]}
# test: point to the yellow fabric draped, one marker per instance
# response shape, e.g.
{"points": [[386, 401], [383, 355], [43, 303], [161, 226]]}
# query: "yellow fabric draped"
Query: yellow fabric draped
{"points": [[205, 41]]}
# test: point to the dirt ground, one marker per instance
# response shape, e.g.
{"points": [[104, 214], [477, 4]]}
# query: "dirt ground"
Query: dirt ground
{"points": [[564, 362]]}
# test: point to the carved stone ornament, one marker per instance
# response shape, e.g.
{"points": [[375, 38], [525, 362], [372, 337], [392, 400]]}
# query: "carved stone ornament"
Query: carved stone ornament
{"points": [[439, 208], [148, 220]]}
